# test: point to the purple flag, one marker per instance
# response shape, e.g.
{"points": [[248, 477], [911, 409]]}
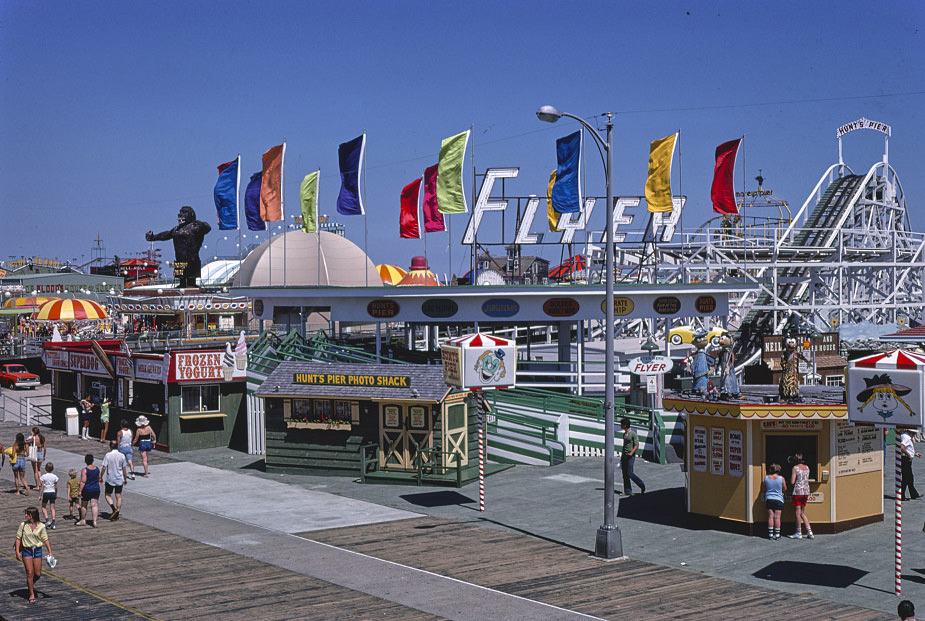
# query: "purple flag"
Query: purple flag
{"points": [[350, 155], [252, 204]]}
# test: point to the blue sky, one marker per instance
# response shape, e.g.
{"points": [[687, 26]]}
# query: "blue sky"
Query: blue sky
{"points": [[114, 114]]}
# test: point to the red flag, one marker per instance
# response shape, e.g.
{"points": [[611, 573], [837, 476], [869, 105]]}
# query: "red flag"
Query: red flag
{"points": [[433, 219], [724, 200], [408, 224], [271, 193]]}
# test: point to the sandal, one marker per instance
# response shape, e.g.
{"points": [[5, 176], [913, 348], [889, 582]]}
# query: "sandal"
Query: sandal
{"points": [[31, 600]]}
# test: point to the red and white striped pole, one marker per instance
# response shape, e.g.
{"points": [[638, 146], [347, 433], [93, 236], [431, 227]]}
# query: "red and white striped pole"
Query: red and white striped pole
{"points": [[480, 400], [899, 515]]}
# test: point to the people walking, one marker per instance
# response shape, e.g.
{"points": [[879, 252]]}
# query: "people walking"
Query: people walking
{"points": [[38, 441], [628, 458], [18, 460], [89, 492], [145, 439], [73, 493], [49, 493], [908, 454], [30, 538], [774, 488], [799, 479], [114, 474], [124, 437]]}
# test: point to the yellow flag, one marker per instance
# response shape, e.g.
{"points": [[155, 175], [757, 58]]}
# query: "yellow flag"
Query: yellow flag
{"points": [[551, 214], [658, 185]]}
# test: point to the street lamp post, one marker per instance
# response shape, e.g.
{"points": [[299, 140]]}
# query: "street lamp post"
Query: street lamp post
{"points": [[609, 543]]}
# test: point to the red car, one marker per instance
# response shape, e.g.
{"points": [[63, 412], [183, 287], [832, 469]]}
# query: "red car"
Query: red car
{"points": [[17, 376]]}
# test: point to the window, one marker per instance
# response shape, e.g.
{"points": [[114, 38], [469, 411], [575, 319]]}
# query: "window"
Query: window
{"points": [[323, 411], [199, 398]]}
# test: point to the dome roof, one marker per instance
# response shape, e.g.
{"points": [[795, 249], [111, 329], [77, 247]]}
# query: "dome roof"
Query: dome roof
{"points": [[307, 259]]}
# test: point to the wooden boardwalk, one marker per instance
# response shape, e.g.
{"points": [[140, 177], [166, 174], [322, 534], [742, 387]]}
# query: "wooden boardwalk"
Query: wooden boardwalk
{"points": [[536, 569], [125, 570]]}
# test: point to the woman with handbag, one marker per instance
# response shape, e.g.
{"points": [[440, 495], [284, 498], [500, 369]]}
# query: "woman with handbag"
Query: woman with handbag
{"points": [[18, 459], [30, 538], [36, 443]]}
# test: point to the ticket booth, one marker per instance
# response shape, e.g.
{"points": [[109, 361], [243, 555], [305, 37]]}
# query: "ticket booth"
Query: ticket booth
{"points": [[728, 446]]}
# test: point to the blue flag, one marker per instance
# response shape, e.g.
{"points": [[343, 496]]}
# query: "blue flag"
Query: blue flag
{"points": [[566, 192], [252, 204], [226, 195], [350, 155]]}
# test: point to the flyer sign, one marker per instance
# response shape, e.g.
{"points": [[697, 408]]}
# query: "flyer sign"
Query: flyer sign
{"points": [[717, 450], [736, 461]]}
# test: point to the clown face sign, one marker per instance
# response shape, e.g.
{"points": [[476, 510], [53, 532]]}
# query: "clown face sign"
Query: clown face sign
{"points": [[883, 395], [479, 361]]}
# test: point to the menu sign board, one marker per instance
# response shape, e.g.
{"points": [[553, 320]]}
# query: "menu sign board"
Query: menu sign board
{"points": [[700, 449], [717, 450], [736, 463], [857, 449]]}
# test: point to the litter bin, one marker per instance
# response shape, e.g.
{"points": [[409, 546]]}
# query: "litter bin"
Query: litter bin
{"points": [[73, 423]]}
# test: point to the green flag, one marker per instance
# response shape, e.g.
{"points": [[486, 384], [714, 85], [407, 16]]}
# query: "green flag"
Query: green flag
{"points": [[450, 195], [308, 196]]}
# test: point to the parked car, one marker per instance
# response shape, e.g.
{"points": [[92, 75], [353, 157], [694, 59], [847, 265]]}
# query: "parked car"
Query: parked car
{"points": [[17, 376], [685, 334]]}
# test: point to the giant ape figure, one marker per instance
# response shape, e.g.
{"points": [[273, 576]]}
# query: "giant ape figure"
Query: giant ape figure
{"points": [[187, 240]]}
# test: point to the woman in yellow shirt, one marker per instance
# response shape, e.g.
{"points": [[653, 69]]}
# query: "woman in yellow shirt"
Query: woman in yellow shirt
{"points": [[29, 540]]}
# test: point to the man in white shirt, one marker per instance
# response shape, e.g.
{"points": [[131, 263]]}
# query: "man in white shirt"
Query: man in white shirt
{"points": [[114, 474], [908, 453]]}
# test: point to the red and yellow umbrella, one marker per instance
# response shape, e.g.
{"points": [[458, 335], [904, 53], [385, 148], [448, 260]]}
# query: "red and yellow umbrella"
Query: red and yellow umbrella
{"points": [[390, 274], [70, 310], [419, 277], [28, 302]]}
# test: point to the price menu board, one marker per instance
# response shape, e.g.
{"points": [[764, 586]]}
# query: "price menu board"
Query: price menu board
{"points": [[858, 449]]}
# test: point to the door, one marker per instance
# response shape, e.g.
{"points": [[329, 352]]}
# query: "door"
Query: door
{"points": [[404, 430], [455, 435]]}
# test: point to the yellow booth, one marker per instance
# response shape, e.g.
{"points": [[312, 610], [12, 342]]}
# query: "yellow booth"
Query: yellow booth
{"points": [[728, 445]]}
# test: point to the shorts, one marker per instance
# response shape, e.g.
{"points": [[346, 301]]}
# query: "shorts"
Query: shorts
{"points": [[145, 446], [40, 455], [799, 501], [85, 416], [31, 552], [90, 494], [74, 498], [774, 505], [20, 464], [113, 488], [127, 451], [49, 497], [104, 419]]}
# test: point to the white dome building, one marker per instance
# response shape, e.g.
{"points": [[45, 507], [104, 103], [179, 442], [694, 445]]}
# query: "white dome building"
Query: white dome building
{"points": [[298, 258]]}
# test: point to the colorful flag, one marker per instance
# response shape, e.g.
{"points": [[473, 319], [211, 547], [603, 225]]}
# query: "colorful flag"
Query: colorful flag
{"points": [[658, 185], [308, 197], [433, 219], [566, 191], [408, 224], [350, 154], [551, 214], [450, 195], [271, 188], [252, 204], [724, 199], [226, 195]]}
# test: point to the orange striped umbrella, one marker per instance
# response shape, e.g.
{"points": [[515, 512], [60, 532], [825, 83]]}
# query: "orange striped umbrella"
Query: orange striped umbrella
{"points": [[28, 302], [390, 274], [70, 310]]}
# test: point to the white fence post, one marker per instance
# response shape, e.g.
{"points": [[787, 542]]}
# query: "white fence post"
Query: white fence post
{"points": [[29, 412]]}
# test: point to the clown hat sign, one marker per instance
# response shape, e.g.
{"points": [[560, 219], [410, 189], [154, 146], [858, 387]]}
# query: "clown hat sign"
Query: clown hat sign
{"points": [[887, 389]]}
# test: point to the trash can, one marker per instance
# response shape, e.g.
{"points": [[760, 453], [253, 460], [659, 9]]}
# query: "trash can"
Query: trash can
{"points": [[73, 422]]}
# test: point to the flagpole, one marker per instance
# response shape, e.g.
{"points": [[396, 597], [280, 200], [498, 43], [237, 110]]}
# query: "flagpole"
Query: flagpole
{"points": [[741, 211], [318, 223], [282, 203], [681, 194], [365, 222], [237, 198], [475, 239]]}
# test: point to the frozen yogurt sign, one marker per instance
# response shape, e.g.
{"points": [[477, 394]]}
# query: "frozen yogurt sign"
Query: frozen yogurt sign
{"points": [[198, 366]]}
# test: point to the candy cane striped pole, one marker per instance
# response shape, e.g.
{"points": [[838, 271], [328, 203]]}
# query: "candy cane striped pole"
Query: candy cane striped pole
{"points": [[899, 516], [480, 399]]}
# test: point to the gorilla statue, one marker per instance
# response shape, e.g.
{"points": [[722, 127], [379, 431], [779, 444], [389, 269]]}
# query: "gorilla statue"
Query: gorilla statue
{"points": [[187, 240]]}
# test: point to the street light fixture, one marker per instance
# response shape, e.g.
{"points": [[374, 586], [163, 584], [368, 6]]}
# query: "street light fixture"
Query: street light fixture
{"points": [[609, 543]]}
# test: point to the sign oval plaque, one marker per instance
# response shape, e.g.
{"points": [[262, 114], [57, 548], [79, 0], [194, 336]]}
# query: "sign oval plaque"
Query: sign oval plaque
{"points": [[500, 307], [666, 305], [561, 307], [439, 308], [705, 304], [622, 306], [383, 309]]}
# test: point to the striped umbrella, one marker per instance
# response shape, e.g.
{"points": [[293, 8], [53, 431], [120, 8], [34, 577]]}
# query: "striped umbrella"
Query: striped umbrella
{"points": [[70, 310], [28, 302], [390, 274], [419, 277]]}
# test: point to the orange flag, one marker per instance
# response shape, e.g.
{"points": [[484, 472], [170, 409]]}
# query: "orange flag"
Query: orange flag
{"points": [[271, 188]]}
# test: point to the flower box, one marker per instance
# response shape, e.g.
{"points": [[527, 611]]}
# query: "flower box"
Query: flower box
{"points": [[325, 426]]}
